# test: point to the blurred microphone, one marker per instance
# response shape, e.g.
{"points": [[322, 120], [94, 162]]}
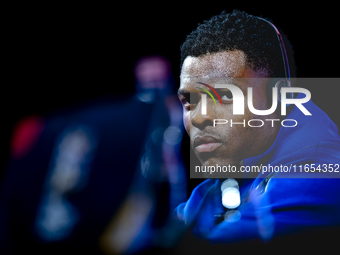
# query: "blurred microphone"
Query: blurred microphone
{"points": [[230, 194]]}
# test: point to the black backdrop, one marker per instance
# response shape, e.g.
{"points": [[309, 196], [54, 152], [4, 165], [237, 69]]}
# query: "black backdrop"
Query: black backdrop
{"points": [[62, 55]]}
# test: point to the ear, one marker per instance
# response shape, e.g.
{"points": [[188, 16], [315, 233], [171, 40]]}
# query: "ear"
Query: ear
{"points": [[280, 84]]}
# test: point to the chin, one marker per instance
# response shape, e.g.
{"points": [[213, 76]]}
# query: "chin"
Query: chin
{"points": [[211, 161]]}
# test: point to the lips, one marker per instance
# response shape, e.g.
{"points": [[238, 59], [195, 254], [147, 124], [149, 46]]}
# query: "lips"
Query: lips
{"points": [[206, 143]]}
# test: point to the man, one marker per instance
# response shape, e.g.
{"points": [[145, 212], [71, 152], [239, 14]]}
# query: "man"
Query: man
{"points": [[244, 51]]}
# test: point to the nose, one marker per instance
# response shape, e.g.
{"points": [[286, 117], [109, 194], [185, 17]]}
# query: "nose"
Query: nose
{"points": [[199, 120]]}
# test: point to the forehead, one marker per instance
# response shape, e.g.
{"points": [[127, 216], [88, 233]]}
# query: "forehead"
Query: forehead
{"points": [[226, 64]]}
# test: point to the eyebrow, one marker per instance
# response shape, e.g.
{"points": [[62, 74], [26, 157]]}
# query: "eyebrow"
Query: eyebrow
{"points": [[186, 93], [183, 92]]}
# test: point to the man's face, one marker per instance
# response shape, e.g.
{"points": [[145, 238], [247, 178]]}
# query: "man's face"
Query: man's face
{"points": [[223, 144]]}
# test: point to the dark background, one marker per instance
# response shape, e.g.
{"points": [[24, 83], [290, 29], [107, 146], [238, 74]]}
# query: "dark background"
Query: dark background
{"points": [[63, 55]]}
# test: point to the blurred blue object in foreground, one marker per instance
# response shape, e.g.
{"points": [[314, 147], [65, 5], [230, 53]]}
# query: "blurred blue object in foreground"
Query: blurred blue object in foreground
{"points": [[103, 176]]}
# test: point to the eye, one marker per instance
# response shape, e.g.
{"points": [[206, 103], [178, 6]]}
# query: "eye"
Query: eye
{"points": [[226, 95], [192, 98]]}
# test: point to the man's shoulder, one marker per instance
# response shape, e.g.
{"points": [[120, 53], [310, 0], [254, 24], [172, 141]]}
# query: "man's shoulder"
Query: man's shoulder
{"points": [[311, 172], [318, 152], [329, 150]]}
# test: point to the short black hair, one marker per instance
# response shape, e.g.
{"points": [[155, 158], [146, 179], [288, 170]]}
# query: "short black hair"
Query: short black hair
{"points": [[240, 31]]}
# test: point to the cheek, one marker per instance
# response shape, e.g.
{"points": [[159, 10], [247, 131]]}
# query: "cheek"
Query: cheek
{"points": [[237, 129], [259, 99], [223, 112], [186, 120]]}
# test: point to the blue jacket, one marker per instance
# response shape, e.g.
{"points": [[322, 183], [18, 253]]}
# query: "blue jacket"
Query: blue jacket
{"points": [[287, 203]]}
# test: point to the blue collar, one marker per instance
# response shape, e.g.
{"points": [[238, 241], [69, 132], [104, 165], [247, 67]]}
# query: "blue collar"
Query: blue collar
{"points": [[309, 130]]}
